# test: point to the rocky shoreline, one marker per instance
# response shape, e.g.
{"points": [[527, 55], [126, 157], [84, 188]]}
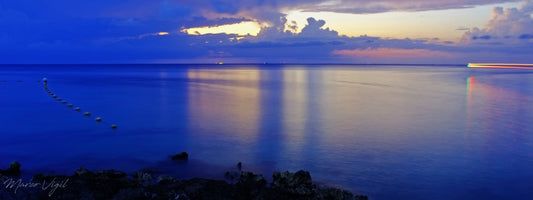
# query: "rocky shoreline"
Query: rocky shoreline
{"points": [[113, 184]]}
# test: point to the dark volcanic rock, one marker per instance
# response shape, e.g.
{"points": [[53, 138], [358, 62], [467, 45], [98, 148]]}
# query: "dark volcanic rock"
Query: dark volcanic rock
{"points": [[293, 184], [251, 186], [13, 170], [181, 156], [288, 185], [143, 177], [113, 184], [336, 193], [82, 172], [199, 188], [231, 176]]}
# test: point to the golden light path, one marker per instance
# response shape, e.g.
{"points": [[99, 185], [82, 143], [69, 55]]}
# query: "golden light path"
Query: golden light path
{"points": [[242, 28], [501, 65]]}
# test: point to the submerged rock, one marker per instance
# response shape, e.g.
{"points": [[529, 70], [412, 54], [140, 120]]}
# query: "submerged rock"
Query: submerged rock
{"points": [[181, 156]]}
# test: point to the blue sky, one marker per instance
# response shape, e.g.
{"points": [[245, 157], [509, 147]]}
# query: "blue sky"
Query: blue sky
{"points": [[311, 31]]}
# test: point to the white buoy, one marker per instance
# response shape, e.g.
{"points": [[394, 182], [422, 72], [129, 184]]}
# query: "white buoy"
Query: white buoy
{"points": [[77, 109], [70, 105], [113, 126], [98, 119], [87, 113]]}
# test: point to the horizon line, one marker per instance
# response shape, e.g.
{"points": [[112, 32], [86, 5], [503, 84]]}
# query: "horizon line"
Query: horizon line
{"points": [[251, 63]]}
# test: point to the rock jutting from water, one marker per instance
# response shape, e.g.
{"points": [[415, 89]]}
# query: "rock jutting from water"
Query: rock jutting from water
{"points": [[181, 156], [12, 171]]}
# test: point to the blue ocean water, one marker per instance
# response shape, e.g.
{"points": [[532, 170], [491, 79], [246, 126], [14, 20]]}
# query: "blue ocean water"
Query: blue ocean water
{"points": [[417, 132]]}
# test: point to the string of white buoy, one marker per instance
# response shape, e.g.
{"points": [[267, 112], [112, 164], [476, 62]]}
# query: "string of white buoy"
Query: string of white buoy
{"points": [[97, 119]]}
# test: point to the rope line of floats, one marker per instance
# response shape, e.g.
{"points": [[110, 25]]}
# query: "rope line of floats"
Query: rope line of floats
{"points": [[97, 119]]}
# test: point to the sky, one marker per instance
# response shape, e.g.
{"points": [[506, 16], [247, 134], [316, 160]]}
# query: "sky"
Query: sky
{"points": [[271, 31]]}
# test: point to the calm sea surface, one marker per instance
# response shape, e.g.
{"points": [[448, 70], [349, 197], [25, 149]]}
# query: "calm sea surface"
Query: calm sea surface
{"points": [[418, 132]]}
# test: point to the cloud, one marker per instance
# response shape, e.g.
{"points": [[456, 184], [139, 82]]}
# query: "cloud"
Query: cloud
{"points": [[388, 53], [346, 6], [395, 55], [267, 12], [526, 36], [527, 6], [314, 29], [273, 44], [376, 6], [506, 26], [115, 31]]}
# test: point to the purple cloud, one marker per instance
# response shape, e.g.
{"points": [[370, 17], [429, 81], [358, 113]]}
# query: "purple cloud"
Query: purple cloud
{"points": [[507, 26], [526, 36], [376, 6]]}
